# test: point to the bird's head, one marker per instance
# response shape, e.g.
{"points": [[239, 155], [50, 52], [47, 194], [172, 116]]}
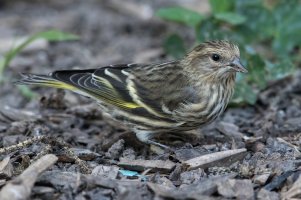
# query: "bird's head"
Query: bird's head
{"points": [[215, 58]]}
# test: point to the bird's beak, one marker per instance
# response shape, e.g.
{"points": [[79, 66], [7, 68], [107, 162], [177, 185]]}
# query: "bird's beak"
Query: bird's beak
{"points": [[237, 66]]}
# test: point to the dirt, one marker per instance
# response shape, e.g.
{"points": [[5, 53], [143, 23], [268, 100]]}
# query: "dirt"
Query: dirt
{"points": [[112, 33]]}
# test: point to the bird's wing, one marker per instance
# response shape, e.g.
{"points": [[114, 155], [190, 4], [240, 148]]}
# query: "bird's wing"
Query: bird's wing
{"points": [[107, 84], [160, 89], [143, 90]]}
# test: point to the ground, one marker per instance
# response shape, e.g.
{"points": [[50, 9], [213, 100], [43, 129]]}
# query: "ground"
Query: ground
{"points": [[259, 144]]}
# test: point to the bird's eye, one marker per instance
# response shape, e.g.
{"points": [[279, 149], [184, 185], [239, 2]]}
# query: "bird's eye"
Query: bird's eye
{"points": [[215, 57]]}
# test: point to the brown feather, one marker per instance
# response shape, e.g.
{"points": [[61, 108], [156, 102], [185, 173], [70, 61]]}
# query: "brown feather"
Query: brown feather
{"points": [[174, 96]]}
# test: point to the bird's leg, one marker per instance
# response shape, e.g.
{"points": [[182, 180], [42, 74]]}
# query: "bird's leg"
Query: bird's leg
{"points": [[145, 137]]}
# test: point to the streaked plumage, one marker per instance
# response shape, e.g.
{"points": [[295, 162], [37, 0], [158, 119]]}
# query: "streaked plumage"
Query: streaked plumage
{"points": [[155, 98]]}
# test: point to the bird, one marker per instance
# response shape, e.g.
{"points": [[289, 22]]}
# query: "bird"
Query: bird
{"points": [[151, 99]]}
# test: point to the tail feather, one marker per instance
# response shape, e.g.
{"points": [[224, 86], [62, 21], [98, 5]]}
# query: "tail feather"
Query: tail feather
{"points": [[42, 80], [33, 79]]}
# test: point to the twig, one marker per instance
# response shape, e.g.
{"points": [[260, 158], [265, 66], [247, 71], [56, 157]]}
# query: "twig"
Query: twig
{"points": [[20, 187]]}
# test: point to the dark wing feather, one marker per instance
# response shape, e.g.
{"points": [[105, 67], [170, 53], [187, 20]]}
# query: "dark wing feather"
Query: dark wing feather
{"points": [[162, 88], [152, 91], [116, 78], [96, 83]]}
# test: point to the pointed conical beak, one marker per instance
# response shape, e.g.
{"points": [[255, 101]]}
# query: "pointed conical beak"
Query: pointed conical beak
{"points": [[237, 66]]}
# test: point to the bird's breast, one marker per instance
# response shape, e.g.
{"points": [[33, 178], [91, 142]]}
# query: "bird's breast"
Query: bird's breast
{"points": [[213, 99]]}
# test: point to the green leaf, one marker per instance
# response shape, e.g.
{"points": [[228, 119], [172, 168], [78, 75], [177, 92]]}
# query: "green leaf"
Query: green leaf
{"points": [[26, 92], [288, 27], [174, 45], [55, 35], [231, 18], [218, 6], [279, 69], [52, 35], [180, 15], [260, 23], [268, 35], [257, 71], [2, 67], [209, 30]]}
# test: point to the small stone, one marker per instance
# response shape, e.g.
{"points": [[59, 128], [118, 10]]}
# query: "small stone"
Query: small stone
{"points": [[259, 146], [129, 153], [6, 168], [261, 179], [115, 150], [105, 171], [264, 194], [230, 130], [232, 188], [192, 176]]}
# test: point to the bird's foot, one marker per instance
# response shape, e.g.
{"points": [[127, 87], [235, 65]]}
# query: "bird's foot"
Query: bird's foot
{"points": [[144, 136], [165, 147]]}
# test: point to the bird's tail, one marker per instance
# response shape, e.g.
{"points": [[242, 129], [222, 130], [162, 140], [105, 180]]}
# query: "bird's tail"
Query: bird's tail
{"points": [[43, 80]]}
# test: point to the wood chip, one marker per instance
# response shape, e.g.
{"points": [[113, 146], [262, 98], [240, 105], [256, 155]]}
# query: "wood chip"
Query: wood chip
{"points": [[267, 195], [187, 153], [9, 114], [20, 187], [141, 165], [93, 181], [2, 182], [231, 188], [6, 169], [230, 130], [296, 151], [262, 178], [106, 171], [294, 191], [60, 179], [115, 150], [218, 159], [201, 190], [278, 181], [43, 190], [166, 192], [83, 154]]}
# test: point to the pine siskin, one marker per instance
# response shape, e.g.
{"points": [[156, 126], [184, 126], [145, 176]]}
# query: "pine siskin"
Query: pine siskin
{"points": [[156, 98]]}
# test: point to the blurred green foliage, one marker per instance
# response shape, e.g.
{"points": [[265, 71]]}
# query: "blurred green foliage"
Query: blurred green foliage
{"points": [[267, 32], [51, 36], [180, 15]]}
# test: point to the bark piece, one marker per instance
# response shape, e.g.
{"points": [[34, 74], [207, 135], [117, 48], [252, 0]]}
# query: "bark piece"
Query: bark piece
{"points": [[20, 187], [218, 159], [141, 165], [106, 171], [262, 178], [267, 195], [6, 168], [294, 191], [230, 130], [233, 188]]}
